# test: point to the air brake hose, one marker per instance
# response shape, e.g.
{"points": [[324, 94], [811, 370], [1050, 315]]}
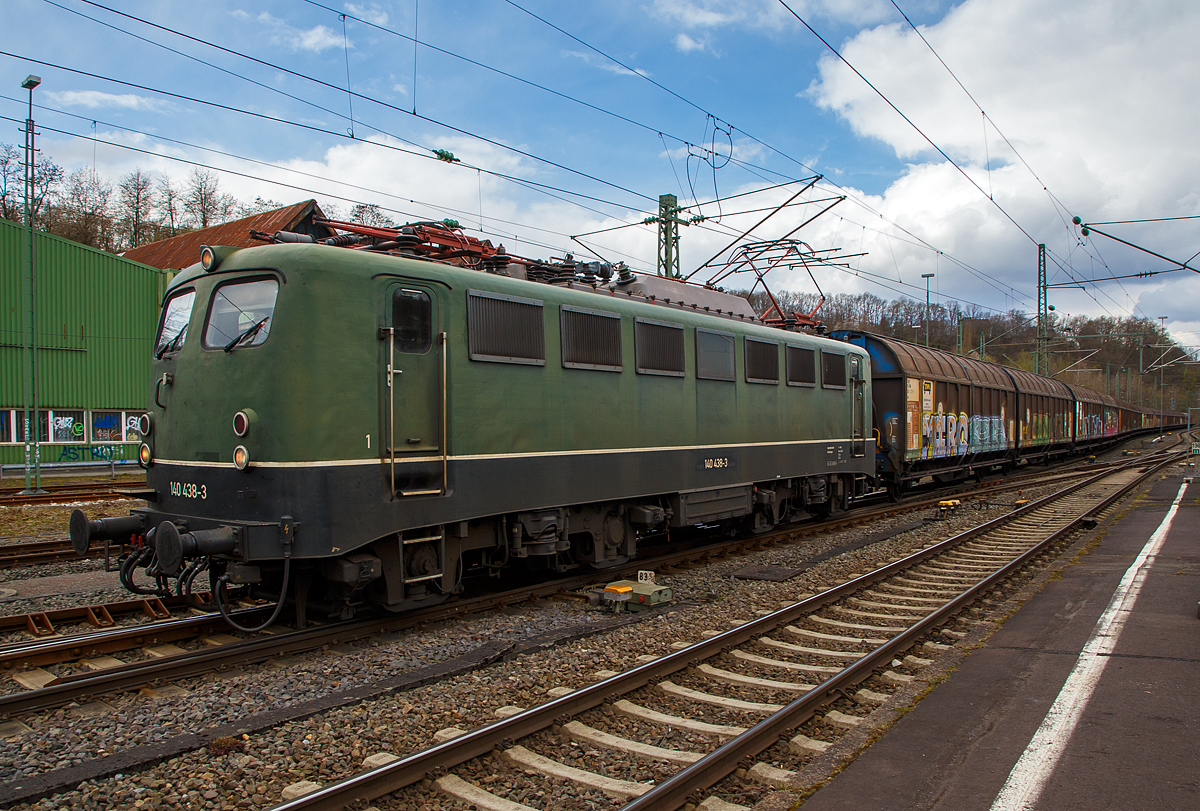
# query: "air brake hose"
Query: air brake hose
{"points": [[224, 579]]}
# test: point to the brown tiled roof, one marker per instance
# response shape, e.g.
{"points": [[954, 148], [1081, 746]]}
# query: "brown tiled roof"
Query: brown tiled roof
{"points": [[183, 250]]}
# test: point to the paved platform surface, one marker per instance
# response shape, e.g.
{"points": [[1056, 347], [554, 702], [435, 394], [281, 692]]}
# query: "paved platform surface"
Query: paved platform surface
{"points": [[1136, 744]]}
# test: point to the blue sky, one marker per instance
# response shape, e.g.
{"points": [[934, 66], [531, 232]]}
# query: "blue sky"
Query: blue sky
{"points": [[1090, 112]]}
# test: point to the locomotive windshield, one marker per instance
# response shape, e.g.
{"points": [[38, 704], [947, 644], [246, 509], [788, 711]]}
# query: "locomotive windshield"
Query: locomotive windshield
{"points": [[240, 314], [176, 314]]}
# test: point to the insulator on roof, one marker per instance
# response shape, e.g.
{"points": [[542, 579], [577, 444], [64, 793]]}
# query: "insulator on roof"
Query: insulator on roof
{"points": [[291, 236]]}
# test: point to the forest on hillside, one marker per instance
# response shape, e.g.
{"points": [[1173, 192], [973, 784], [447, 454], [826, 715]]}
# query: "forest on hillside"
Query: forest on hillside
{"points": [[1126, 357]]}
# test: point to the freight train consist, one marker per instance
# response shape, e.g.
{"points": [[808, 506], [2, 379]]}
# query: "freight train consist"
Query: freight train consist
{"points": [[944, 416], [373, 420]]}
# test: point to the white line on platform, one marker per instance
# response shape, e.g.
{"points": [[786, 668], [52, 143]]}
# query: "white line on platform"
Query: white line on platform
{"points": [[1027, 779]]}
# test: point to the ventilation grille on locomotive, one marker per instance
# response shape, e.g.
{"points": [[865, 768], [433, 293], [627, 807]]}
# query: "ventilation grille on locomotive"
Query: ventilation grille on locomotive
{"points": [[801, 366], [762, 361], [659, 347], [591, 339], [506, 329]]}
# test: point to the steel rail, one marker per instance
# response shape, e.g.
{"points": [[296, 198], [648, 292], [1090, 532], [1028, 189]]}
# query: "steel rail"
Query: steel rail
{"points": [[417, 766], [95, 643], [723, 761]]}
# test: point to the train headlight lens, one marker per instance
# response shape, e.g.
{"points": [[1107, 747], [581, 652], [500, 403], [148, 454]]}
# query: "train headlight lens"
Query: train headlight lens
{"points": [[243, 420], [211, 256], [145, 424], [241, 457], [145, 457]]}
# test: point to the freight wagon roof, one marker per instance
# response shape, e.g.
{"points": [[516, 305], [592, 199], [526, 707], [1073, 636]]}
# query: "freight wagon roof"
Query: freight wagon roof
{"points": [[1085, 395], [183, 250], [892, 356], [1029, 383]]}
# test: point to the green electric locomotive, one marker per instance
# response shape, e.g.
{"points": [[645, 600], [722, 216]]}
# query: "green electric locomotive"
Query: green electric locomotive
{"points": [[337, 427]]}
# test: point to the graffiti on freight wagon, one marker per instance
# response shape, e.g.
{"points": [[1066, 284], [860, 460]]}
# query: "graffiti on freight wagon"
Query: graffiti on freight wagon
{"points": [[987, 433], [944, 434]]}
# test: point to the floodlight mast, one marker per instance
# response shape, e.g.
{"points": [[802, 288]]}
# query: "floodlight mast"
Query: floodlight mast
{"points": [[32, 421], [927, 277]]}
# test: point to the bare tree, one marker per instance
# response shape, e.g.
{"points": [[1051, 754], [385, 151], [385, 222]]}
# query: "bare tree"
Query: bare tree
{"points": [[12, 182], [369, 214], [258, 206], [170, 205], [47, 177], [204, 201], [81, 211], [135, 205]]}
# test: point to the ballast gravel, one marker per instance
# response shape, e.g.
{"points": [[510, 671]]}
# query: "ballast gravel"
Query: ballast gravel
{"points": [[250, 772]]}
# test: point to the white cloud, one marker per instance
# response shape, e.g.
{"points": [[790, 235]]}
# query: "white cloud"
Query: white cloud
{"points": [[769, 14], [686, 44], [1096, 95], [371, 13], [599, 62], [315, 39], [96, 100]]}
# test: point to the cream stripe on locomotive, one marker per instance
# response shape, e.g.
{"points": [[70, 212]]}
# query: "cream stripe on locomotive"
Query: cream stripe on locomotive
{"points": [[471, 457]]}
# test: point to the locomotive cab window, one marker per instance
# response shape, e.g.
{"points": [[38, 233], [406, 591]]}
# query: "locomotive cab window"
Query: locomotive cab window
{"points": [[240, 314], [176, 314], [714, 355], [833, 370], [412, 321], [801, 366]]}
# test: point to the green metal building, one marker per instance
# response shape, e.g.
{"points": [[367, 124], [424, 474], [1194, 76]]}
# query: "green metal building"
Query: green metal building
{"points": [[96, 317]]}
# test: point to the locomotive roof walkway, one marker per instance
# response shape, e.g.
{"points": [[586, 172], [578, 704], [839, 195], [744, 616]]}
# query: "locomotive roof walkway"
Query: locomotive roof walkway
{"points": [[1133, 744]]}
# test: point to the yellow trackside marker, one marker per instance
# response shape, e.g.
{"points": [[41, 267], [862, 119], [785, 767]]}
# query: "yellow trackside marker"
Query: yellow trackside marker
{"points": [[617, 588]]}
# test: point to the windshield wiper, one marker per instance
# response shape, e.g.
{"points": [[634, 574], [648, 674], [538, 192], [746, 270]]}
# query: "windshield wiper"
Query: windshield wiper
{"points": [[172, 345], [248, 332]]}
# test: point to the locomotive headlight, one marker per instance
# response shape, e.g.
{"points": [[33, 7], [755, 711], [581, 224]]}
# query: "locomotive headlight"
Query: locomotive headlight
{"points": [[145, 456], [243, 420], [145, 424], [241, 457], [211, 256]]}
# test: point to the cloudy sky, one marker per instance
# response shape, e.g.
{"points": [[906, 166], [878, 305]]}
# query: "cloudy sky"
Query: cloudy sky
{"points": [[959, 145]]}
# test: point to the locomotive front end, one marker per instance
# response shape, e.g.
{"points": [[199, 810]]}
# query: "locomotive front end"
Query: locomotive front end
{"points": [[218, 514]]}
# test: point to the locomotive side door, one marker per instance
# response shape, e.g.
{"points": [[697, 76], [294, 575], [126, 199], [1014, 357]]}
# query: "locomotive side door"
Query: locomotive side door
{"points": [[858, 408], [415, 381]]}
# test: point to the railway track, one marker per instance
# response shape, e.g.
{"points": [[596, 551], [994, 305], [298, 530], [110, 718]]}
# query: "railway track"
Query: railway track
{"points": [[667, 731], [71, 493], [36, 553], [87, 664]]}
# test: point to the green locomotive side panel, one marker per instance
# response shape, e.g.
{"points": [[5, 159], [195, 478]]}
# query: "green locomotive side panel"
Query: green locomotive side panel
{"points": [[320, 373], [473, 435]]}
